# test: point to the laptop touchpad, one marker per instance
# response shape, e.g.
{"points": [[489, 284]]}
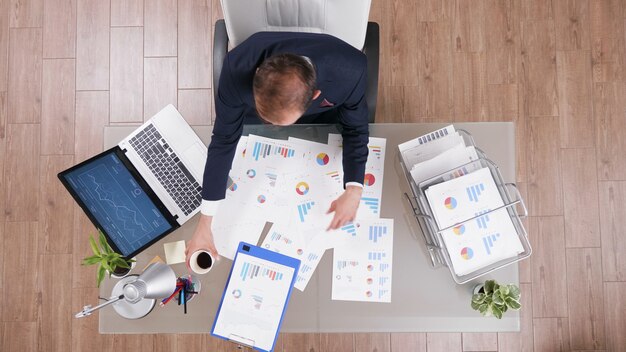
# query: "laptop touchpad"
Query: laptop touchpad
{"points": [[196, 156]]}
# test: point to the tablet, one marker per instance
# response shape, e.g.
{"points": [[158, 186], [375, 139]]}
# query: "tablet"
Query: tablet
{"points": [[255, 297]]}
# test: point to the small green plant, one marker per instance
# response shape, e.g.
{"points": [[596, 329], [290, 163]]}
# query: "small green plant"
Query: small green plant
{"points": [[496, 299], [105, 257]]}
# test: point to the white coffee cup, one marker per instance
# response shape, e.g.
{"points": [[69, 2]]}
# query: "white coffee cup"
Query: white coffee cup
{"points": [[201, 261]]}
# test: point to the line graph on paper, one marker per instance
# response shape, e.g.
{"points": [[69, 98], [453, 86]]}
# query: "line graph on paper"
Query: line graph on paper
{"points": [[115, 202]]}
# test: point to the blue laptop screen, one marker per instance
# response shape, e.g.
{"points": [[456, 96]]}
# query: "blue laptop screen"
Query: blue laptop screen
{"points": [[116, 200]]}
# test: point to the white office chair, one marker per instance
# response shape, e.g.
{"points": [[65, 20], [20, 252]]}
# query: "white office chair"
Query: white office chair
{"points": [[344, 19]]}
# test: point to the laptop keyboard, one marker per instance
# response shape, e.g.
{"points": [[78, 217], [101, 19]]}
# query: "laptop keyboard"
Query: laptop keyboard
{"points": [[167, 167]]}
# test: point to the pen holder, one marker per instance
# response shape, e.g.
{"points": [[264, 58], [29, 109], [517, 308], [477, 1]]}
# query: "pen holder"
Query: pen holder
{"points": [[195, 286]]}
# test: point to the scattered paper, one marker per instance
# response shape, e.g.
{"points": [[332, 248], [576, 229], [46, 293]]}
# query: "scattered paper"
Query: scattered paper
{"points": [[362, 268]]}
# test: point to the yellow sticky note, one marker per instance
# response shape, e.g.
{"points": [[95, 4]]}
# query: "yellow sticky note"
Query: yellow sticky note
{"points": [[174, 252]]}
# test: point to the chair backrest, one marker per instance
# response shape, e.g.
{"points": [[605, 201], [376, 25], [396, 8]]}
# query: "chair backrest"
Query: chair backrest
{"points": [[344, 19]]}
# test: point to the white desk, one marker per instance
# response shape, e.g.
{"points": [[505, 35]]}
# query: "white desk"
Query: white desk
{"points": [[423, 299]]}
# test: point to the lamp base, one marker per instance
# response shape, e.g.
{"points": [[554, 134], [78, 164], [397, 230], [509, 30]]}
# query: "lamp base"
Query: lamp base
{"points": [[130, 310]]}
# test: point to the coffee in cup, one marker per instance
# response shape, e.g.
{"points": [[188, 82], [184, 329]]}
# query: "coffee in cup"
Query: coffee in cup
{"points": [[201, 262]]}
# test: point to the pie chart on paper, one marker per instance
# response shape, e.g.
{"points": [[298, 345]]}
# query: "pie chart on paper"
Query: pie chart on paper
{"points": [[450, 203], [322, 159], [369, 180]]}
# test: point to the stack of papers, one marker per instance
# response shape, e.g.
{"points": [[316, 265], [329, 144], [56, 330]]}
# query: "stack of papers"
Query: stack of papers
{"points": [[292, 183], [464, 200]]}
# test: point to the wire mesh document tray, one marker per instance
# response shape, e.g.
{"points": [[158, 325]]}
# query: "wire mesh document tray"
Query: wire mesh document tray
{"points": [[432, 234]]}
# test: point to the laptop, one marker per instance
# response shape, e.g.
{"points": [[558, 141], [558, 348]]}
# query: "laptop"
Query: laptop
{"points": [[145, 187]]}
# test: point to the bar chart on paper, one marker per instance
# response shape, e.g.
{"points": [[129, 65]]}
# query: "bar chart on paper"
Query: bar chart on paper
{"points": [[252, 271], [304, 209], [376, 232], [263, 150], [372, 203]]}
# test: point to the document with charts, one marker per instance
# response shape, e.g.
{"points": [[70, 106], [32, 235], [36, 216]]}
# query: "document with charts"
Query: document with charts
{"points": [[362, 268], [255, 297]]}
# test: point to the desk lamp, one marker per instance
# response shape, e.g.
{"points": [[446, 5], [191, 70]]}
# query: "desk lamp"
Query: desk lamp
{"points": [[133, 297]]}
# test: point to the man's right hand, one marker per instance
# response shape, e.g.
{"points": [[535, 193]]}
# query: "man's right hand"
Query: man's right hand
{"points": [[202, 239]]}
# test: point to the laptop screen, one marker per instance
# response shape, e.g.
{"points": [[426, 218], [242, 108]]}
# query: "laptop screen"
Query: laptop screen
{"points": [[117, 203]]}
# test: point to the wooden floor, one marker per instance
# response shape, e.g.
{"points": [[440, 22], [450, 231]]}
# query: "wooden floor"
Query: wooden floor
{"points": [[557, 68]]}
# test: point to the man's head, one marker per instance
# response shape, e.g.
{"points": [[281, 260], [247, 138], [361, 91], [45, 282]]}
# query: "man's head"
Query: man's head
{"points": [[284, 87]]}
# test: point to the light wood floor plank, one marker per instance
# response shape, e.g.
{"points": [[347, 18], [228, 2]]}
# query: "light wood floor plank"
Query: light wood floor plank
{"points": [[572, 24], [502, 40], [195, 105], [20, 272], [166, 343], [26, 13], [1, 271], [85, 336], [372, 342], [607, 40], [4, 45], [56, 218], [575, 98], [134, 342], [295, 342], [545, 196], [21, 172], [128, 13], [435, 10], [470, 88], [19, 336], [615, 308], [521, 142], [3, 151], [408, 342], [390, 105], [537, 9], [190, 342], [337, 342], [92, 114], [194, 44], [55, 317], [609, 109], [469, 26], [25, 75], [58, 106], [403, 69], [59, 29], [159, 84], [539, 68], [585, 295], [480, 341], [548, 264], [551, 335], [126, 74], [580, 197], [612, 222], [520, 341], [92, 44], [82, 276], [160, 28], [434, 97], [443, 342], [501, 100]]}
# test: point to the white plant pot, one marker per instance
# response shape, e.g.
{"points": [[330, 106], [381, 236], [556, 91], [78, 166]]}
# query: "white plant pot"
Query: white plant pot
{"points": [[132, 266]]}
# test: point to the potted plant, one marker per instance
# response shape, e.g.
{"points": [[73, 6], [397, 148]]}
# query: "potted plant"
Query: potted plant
{"points": [[493, 299], [108, 260]]}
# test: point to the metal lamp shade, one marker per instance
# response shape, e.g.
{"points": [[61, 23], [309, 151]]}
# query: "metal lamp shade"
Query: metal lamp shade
{"points": [[157, 281]]}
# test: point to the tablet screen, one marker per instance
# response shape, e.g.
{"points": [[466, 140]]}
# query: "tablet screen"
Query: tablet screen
{"points": [[254, 301]]}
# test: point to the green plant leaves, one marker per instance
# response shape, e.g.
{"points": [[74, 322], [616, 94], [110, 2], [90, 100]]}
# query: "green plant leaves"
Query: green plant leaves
{"points": [[104, 244], [94, 246], [100, 274], [497, 299], [94, 259]]}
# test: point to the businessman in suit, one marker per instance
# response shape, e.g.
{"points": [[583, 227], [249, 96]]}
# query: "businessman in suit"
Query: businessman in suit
{"points": [[285, 78]]}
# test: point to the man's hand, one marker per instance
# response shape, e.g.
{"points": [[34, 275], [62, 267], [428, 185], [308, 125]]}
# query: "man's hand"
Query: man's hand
{"points": [[345, 207], [202, 239]]}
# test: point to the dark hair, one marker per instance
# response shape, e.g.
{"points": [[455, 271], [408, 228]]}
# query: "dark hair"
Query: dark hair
{"points": [[283, 81]]}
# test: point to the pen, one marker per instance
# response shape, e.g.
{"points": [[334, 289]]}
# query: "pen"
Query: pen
{"points": [[183, 294]]}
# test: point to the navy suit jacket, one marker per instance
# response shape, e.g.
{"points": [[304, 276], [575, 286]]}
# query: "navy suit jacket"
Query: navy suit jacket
{"points": [[341, 77]]}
